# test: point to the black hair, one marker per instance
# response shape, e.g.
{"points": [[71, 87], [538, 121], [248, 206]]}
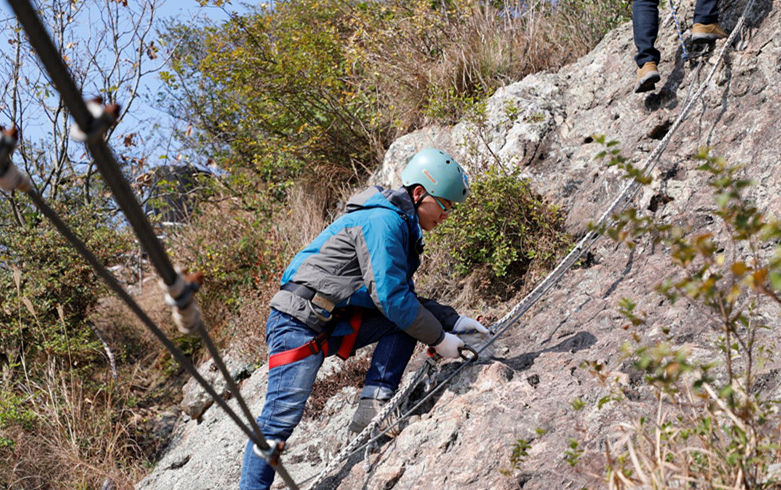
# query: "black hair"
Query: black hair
{"points": [[411, 191]]}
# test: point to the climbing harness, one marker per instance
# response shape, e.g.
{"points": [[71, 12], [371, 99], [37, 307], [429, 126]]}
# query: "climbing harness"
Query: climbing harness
{"points": [[320, 306], [320, 344]]}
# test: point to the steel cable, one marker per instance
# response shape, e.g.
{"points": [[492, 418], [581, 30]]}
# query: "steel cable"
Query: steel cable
{"points": [[108, 167]]}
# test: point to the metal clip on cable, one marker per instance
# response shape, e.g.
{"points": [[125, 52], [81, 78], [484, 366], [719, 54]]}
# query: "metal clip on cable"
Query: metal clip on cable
{"points": [[180, 296], [10, 178], [272, 454], [432, 353], [102, 119]]}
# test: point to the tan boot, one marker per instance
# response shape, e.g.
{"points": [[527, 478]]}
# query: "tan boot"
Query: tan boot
{"points": [[707, 33], [647, 76]]}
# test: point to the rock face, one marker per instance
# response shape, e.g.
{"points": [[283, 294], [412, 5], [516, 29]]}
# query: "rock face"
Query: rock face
{"points": [[196, 400], [544, 123]]}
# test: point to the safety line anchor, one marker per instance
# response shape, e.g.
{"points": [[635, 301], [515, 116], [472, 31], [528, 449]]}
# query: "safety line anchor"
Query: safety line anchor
{"points": [[103, 117], [272, 454], [180, 296]]}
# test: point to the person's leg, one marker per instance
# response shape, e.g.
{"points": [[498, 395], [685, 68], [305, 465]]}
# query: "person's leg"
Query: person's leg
{"points": [[289, 387], [645, 26], [393, 352], [391, 355], [706, 12]]}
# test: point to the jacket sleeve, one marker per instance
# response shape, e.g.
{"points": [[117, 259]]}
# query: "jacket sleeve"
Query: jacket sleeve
{"points": [[381, 251], [446, 315]]}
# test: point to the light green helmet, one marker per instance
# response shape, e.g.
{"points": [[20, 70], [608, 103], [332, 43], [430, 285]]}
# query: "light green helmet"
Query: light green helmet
{"points": [[438, 173]]}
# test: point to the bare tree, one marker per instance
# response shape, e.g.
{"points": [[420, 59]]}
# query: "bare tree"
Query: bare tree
{"points": [[109, 47]]}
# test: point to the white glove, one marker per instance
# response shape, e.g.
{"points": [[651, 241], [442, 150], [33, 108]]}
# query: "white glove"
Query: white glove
{"points": [[449, 346], [468, 325], [475, 335]]}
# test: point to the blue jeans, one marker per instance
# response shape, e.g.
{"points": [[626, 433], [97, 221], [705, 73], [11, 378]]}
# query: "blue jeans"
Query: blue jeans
{"points": [[645, 25], [290, 385]]}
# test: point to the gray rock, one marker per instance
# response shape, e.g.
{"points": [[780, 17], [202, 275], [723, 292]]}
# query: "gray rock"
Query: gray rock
{"points": [[197, 400]]}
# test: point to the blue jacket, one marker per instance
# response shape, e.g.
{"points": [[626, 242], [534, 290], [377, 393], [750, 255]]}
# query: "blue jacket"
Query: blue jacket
{"points": [[367, 258]]}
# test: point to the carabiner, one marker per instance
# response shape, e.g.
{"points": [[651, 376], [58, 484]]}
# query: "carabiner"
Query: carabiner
{"points": [[432, 352], [468, 358]]}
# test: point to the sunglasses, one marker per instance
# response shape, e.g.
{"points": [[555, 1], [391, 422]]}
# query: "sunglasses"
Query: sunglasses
{"points": [[448, 209]]}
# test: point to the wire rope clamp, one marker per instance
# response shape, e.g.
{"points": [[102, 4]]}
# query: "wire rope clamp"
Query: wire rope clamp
{"points": [[272, 454], [180, 296], [11, 178], [103, 117]]}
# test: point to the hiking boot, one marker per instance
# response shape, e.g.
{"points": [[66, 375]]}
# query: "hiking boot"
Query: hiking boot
{"points": [[368, 408], [647, 76], [707, 33]]}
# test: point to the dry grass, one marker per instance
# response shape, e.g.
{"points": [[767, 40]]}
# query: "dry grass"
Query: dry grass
{"points": [[424, 63], [352, 373], [305, 215], [88, 427], [80, 437], [677, 449]]}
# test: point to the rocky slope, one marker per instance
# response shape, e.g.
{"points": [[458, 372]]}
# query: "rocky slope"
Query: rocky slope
{"points": [[544, 124]]}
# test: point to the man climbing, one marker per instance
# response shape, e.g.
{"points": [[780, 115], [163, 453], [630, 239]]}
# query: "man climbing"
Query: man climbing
{"points": [[352, 287], [645, 25]]}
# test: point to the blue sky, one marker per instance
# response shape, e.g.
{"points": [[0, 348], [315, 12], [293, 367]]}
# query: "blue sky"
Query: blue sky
{"points": [[143, 108]]}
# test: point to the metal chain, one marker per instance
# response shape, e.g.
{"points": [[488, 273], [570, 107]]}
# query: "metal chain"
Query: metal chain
{"points": [[355, 445]]}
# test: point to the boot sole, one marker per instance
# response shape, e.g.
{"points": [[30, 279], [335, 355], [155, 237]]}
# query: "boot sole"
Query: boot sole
{"points": [[648, 83], [705, 38]]}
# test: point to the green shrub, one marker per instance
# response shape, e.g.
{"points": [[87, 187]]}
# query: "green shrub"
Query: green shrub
{"points": [[268, 93], [503, 226], [13, 413], [322, 87], [50, 290], [714, 426]]}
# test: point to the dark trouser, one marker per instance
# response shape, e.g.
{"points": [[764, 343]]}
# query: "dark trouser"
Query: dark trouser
{"points": [[290, 385], [645, 24]]}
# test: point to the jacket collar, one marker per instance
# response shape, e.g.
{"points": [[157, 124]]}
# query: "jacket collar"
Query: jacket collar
{"points": [[398, 200]]}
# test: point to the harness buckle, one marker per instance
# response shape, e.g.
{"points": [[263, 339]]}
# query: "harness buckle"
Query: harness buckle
{"points": [[322, 302], [316, 345], [316, 311]]}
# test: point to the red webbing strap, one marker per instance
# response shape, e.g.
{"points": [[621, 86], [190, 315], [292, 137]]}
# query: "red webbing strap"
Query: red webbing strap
{"points": [[311, 348], [349, 340]]}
